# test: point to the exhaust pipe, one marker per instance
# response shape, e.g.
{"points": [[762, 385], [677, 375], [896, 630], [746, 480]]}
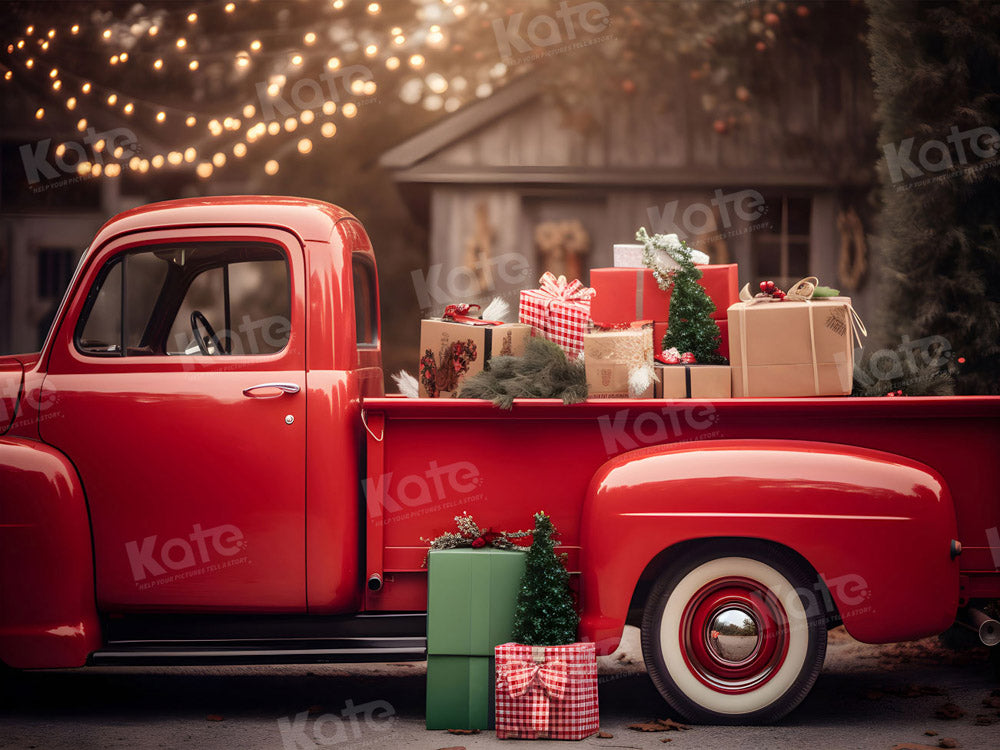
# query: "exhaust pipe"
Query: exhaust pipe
{"points": [[986, 626]]}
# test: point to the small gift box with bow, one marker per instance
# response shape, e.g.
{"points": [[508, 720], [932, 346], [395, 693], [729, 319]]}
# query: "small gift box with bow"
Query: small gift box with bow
{"points": [[680, 376], [560, 310], [619, 360], [546, 692], [459, 344], [793, 343]]}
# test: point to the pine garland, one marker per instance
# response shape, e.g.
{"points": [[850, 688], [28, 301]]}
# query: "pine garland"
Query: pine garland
{"points": [[545, 614], [543, 372]]}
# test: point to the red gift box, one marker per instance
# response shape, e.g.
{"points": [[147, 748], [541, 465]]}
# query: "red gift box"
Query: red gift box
{"points": [[721, 281], [559, 309], [659, 331], [627, 294], [546, 692]]}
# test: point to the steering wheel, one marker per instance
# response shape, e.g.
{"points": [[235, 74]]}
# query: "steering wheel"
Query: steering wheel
{"points": [[196, 318]]}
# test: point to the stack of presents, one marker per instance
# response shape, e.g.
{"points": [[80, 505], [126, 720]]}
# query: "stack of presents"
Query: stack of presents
{"points": [[478, 677], [770, 343]]}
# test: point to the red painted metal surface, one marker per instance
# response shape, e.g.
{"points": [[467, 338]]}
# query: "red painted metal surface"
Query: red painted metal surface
{"points": [[869, 491], [443, 457], [11, 380], [196, 491], [48, 617]]}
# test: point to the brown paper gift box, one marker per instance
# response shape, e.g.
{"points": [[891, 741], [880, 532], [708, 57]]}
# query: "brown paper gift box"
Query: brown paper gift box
{"points": [[438, 336], [607, 376], [791, 348], [694, 381]]}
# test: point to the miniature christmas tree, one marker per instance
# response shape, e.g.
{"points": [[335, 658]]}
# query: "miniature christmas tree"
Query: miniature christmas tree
{"points": [[691, 326], [545, 613]]}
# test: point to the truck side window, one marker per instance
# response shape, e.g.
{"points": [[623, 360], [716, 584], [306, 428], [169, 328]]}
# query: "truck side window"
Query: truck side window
{"points": [[102, 332], [163, 300], [365, 299]]}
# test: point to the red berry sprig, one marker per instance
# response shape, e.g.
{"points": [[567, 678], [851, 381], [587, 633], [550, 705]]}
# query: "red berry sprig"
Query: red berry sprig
{"points": [[769, 289]]}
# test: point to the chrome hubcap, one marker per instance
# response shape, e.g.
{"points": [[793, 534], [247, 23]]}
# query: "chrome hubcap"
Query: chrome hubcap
{"points": [[733, 635]]}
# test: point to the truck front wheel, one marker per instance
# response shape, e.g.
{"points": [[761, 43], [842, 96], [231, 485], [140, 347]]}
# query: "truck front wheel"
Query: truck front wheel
{"points": [[728, 636]]}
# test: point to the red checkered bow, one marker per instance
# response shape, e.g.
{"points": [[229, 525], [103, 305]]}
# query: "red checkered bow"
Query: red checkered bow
{"points": [[553, 678], [560, 289]]}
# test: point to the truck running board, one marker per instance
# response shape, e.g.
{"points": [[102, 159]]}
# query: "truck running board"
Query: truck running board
{"points": [[172, 639], [283, 651]]}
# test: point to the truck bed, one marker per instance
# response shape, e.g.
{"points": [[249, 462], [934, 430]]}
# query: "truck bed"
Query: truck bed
{"points": [[437, 458]]}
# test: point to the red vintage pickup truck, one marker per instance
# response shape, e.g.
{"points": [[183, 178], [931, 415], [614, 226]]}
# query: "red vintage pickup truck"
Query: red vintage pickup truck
{"points": [[201, 467]]}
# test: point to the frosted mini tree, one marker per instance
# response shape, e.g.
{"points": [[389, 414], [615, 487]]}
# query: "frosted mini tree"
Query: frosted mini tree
{"points": [[545, 613], [691, 326]]}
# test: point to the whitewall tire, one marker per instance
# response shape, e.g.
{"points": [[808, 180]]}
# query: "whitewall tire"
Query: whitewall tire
{"points": [[730, 634]]}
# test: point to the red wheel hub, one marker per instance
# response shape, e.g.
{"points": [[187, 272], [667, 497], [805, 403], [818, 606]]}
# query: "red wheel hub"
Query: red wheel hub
{"points": [[734, 635]]}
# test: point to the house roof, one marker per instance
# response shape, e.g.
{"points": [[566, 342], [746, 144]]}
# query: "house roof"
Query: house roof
{"points": [[456, 126]]}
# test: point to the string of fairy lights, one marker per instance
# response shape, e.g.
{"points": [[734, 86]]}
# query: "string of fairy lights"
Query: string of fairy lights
{"points": [[224, 138]]}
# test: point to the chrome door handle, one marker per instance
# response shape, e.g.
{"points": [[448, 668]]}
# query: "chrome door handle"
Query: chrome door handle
{"points": [[284, 387]]}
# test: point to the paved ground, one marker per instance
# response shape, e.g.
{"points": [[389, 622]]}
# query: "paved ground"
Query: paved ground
{"points": [[867, 697]]}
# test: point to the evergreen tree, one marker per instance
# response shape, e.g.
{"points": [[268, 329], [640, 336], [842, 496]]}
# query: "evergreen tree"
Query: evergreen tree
{"points": [[545, 613], [937, 70], [692, 328]]}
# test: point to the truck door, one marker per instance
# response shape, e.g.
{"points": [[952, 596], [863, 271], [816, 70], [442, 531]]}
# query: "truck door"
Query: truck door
{"points": [[176, 385]]}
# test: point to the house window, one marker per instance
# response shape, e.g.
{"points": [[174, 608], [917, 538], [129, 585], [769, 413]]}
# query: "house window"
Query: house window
{"points": [[781, 252]]}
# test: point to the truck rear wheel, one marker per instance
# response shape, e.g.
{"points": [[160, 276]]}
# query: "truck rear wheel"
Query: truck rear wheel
{"points": [[727, 635]]}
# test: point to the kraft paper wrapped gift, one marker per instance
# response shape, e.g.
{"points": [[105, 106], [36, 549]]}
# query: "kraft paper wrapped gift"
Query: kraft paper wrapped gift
{"points": [[451, 350], [546, 692], [626, 294], [460, 692], [471, 594], [694, 381], [721, 281], [619, 362], [792, 348]]}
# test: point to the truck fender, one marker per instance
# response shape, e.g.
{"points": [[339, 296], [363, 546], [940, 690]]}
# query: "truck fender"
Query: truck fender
{"points": [[48, 611], [877, 528]]}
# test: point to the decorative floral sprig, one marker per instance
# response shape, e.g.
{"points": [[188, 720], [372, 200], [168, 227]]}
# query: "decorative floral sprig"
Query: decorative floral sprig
{"points": [[670, 244], [470, 534]]}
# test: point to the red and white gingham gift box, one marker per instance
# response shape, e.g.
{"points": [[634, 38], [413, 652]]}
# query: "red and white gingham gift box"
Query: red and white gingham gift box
{"points": [[559, 309], [546, 692]]}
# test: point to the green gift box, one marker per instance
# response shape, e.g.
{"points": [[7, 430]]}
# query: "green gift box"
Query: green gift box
{"points": [[460, 692], [471, 597]]}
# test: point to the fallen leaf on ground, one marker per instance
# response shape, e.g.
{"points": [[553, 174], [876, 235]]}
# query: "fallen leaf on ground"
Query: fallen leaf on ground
{"points": [[947, 742], [931, 733], [213, 717], [463, 731], [666, 739], [912, 746], [605, 735], [982, 720], [659, 725], [949, 711], [456, 747]]}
